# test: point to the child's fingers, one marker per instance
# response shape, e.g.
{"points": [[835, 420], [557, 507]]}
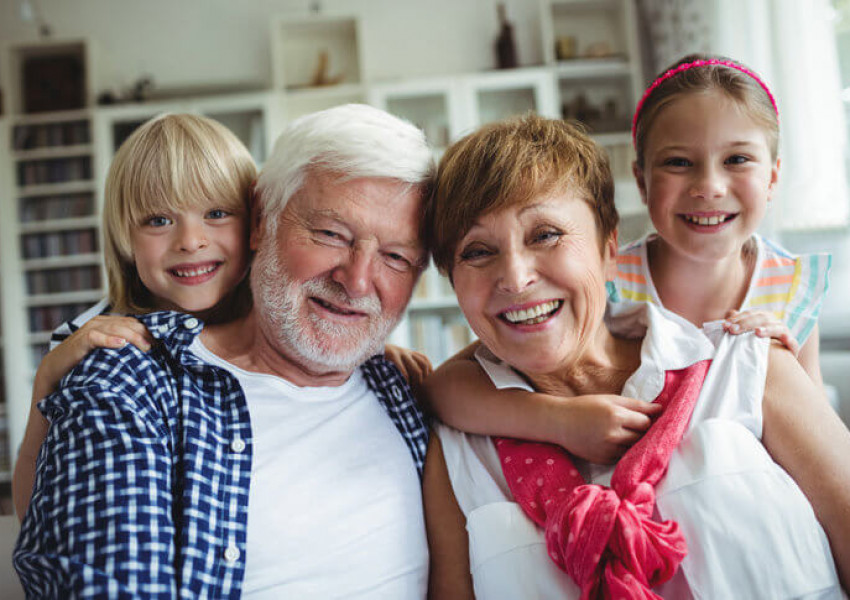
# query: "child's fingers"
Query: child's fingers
{"points": [[639, 406], [782, 335], [114, 332]]}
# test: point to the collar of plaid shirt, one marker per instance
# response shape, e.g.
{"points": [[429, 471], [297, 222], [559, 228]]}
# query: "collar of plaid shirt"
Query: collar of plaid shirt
{"points": [[142, 483]]}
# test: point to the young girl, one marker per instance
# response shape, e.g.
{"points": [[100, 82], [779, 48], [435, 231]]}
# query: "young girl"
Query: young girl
{"points": [[706, 138], [175, 238]]}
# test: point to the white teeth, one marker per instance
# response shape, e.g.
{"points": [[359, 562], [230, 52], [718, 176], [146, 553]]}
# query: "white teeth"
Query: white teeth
{"points": [[533, 315], [194, 272], [716, 220]]}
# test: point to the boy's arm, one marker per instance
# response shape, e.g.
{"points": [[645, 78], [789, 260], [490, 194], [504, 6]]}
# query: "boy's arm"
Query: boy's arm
{"points": [[105, 331], [597, 428], [100, 517], [414, 366]]}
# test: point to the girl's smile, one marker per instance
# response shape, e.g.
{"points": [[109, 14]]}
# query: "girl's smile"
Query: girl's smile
{"points": [[707, 175]]}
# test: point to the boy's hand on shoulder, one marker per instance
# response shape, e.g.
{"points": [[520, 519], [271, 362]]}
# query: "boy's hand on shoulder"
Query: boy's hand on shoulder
{"points": [[764, 324], [103, 331], [107, 331], [600, 428]]}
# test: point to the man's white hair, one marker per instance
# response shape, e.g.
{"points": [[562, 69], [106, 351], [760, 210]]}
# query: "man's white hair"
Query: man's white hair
{"points": [[353, 140]]}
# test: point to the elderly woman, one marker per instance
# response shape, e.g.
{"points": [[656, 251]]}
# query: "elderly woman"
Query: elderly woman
{"points": [[736, 491]]}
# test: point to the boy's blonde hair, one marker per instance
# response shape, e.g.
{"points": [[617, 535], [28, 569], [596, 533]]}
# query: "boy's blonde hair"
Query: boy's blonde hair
{"points": [[510, 163], [171, 162]]}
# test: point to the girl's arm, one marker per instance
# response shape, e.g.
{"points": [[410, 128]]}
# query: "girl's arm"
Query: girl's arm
{"points": [[104, 331], [809, 357], [445, 525], [805, 436], [597, 428]]}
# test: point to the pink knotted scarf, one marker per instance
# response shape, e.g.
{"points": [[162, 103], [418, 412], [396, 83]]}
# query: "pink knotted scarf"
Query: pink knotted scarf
{"points": [[604, 537]]}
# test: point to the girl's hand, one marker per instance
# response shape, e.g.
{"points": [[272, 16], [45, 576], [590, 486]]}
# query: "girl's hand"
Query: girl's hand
{"points": [[600, 428], [415, 366], [764, 324]]}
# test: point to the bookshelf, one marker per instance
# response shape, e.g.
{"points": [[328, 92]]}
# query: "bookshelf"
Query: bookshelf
{"points": [[51, 181]]}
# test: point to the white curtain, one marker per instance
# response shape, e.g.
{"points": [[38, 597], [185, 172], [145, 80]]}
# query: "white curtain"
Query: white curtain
{"points": [[791, 43]]}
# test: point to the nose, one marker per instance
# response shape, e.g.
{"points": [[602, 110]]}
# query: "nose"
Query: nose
{"points": [[354, 272], [517, 272], [709, 183], [191, 236]]}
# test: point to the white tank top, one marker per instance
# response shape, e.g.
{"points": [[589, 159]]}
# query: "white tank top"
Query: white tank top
{"points": [[751, 532]]}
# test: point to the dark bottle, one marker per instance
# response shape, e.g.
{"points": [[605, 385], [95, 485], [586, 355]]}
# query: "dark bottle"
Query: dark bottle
{"points": [[505, 47]]}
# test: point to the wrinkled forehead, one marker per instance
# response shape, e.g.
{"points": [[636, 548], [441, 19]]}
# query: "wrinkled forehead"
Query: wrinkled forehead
{"points": [[387, 209]]}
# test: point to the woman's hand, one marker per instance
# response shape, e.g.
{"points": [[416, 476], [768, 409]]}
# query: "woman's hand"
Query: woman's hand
{"points": [[764, 324]]}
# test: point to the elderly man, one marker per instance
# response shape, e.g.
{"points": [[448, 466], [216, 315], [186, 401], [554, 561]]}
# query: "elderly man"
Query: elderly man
{"points": [[269, 457]]}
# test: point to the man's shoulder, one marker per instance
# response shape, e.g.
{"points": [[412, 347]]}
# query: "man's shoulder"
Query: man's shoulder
{"points": [[129, 366]]}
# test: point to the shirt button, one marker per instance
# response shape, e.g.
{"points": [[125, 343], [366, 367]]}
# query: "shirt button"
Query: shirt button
{"points": [[237, 445], [231, 554], [190, 323]]}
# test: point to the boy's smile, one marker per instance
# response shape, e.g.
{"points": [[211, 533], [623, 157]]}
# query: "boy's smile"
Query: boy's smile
{"points": [[190, 259]]}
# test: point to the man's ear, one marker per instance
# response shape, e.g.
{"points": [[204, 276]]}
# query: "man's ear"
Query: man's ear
{"points": [[255, 219], [637, 171]]}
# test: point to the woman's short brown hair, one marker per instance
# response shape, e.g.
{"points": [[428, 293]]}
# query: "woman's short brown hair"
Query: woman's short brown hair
{"points": [[171, 162], [510, 163]]}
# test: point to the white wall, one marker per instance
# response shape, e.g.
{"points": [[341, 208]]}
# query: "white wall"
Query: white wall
{"points": [[204, 42]]}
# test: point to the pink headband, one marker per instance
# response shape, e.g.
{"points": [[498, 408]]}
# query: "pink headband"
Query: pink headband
{"points": [[698, 63]]}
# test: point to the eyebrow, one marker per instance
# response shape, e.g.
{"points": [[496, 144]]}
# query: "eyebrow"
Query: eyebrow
{"points": [[414, 244]]}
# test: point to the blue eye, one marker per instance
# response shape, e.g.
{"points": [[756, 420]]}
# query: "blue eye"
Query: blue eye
{"points": [[677, 161], [158, 221], [217, 213], [398, 262], [547, 236], [737, 159], [474, 253]]}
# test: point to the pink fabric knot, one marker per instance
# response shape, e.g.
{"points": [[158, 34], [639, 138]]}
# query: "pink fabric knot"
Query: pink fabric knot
{"points": [[596, 536]]}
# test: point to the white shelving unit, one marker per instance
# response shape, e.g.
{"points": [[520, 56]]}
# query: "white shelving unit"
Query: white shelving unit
{"points": [[40, 212]]}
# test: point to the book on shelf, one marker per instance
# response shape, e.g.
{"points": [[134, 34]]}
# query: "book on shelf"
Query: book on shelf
{"points": [[58, 243], [56, 281], [54, 170], [50, 135], [48, 318], [55, 206]]}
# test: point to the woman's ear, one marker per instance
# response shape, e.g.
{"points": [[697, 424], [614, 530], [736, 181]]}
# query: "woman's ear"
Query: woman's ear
{"points": [[609, 256], [637, 171]]}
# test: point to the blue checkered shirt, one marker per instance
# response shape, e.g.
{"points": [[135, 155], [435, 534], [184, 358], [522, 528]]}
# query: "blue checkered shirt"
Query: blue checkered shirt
{"points": [[142, 483]]}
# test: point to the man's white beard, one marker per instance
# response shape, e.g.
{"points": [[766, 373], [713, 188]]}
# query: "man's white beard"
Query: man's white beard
{"points": [[318, 342]]}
